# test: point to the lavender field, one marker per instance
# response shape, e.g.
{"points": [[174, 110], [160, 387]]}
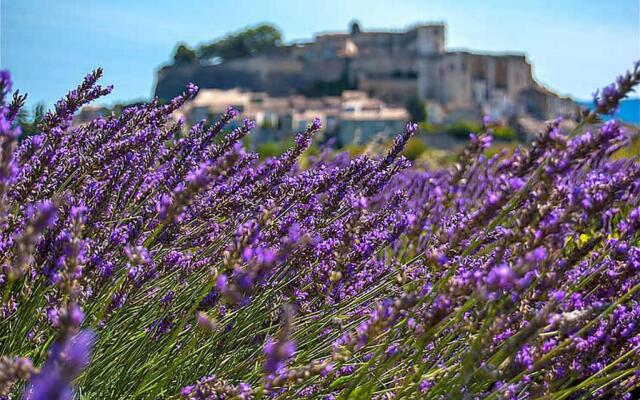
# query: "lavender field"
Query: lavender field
{"points": [[142, 258]]}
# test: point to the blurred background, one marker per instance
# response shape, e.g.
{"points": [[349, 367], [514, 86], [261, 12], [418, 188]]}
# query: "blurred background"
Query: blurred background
{"points": [[363, 67]]}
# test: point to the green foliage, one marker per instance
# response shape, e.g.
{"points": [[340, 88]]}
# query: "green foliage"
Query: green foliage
{"points": [[506, 133], [329, 88], [269, 149], [276, 148], [630, 151], [354, 149], [506, 148], [184, 55], [267, 124], [313, 150], [462, 129], [416, 109], [245, 43], [414, 148], [272, 149], [427, 127]]}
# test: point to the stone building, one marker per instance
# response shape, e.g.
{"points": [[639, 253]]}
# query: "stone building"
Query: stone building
{"points": [[542, 104], [389, 65], [362, 118]]}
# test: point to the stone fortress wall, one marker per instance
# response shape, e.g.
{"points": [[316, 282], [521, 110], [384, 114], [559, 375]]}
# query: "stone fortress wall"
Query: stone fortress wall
{"points": [[390, 65]]}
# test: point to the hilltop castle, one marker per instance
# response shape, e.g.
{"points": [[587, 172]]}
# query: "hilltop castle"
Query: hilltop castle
{"points": [[389, 65]]}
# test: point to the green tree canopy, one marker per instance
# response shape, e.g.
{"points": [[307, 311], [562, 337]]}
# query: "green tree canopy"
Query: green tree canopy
{"points": [[248, 42], [415, 108], [184, 54]]}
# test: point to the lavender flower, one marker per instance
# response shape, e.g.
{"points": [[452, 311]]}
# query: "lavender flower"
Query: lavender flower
{"points": [[66, 361], [506, 275]]}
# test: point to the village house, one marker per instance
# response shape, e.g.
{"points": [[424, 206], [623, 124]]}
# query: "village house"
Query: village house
{"points": [[353, 117]]}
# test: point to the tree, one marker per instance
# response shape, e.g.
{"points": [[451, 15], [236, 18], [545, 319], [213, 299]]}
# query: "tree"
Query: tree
{"points": [[416, 109], [29, 121], [245, 43], [184, 55]]}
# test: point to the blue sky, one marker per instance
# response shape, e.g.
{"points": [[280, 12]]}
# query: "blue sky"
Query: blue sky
{"points": [[575, 45]]}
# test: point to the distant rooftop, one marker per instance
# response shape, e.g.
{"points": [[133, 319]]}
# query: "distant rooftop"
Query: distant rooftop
{"points": [[504, 54], [355, 28]]}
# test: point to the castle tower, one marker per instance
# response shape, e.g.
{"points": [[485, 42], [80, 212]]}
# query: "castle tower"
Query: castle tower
{"points": [[431, 39], [430, 45]]}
